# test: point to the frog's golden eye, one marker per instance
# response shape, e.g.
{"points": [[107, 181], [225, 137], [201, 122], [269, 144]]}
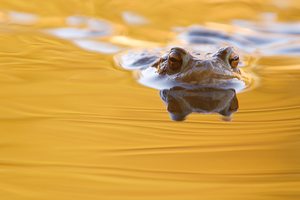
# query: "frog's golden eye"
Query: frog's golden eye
{"points": [[234, 60], [174, 60]]}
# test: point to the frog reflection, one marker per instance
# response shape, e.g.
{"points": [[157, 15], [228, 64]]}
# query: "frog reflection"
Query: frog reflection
{"points": [[190, 81], [181, 101]]}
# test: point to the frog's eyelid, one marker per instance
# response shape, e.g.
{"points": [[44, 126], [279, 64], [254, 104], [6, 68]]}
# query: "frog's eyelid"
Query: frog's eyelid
{"points": [[235, 58], [173, 59]]}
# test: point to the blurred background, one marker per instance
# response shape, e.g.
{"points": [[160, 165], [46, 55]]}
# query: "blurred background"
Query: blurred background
{"points": [[75, 125]]}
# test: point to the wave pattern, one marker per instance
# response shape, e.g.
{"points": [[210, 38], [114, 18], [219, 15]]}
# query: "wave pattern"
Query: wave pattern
{"points": [[75, 126]]}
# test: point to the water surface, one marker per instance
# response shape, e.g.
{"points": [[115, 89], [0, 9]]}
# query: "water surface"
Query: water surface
{"points": [[74, 125]]}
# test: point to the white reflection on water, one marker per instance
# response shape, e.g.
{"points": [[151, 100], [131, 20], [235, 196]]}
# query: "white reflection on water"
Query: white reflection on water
{"points": [[271, 26], [82, 27], [22, 18], [75, 33], [97, 46], [86, 33], [132, 18], [267, 37]]}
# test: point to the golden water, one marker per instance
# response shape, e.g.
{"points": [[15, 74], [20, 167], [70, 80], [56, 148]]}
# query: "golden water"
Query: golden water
{"points": [[75, 126]]}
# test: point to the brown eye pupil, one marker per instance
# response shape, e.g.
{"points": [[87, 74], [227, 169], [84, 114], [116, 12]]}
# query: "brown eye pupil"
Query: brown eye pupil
{"points": [[173, 59], [234, 60]]}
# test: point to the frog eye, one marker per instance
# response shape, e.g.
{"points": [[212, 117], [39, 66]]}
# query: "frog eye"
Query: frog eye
{"points": [[174, 60], [234, 60]]}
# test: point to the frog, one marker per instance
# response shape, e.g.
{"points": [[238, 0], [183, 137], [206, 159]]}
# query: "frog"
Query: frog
{"points": [[190, 81], [193, 68], [179, 66]]}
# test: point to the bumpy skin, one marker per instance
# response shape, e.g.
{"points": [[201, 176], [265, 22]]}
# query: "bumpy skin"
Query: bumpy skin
{"points": [[190, 81], [188, 67]]}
